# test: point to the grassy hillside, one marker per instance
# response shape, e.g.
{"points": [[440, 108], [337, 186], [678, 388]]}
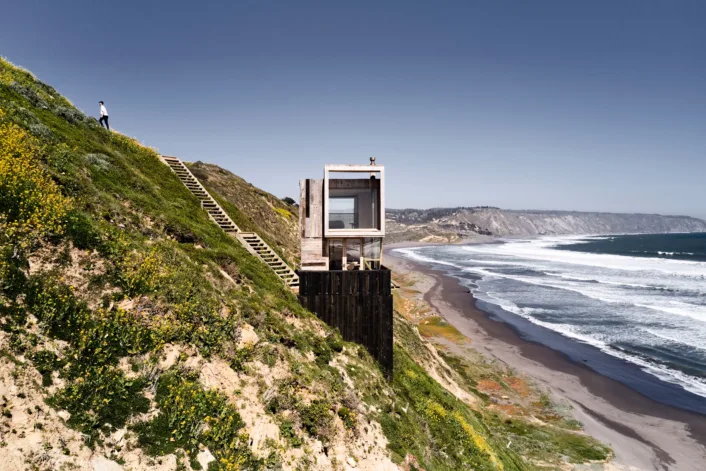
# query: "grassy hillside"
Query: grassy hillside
{"points": [[136, 335]]}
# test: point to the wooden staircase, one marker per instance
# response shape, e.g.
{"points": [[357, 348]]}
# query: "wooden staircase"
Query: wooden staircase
{"points": [[252, 242], [255, 245]]}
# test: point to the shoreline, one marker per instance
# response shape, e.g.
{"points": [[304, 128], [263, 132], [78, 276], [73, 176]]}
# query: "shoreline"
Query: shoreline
{"points": [[644, 433]]}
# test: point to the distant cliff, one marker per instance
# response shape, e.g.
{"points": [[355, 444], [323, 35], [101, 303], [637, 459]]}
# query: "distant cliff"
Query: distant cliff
{"points": [[450, 224]]}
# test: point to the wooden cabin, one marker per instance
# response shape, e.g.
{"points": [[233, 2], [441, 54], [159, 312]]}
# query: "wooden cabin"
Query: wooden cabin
{"points": [[341, 276], [342, 218]]}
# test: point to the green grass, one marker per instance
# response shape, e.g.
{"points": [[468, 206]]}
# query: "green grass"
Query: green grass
{"points": [[543, 442], [437, 326]]}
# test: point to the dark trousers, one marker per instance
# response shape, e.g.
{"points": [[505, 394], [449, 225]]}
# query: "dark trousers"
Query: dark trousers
{"points": [[104, 119]]}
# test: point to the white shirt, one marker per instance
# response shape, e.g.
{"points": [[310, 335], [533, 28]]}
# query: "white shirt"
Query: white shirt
{"points": [[104, 112]]}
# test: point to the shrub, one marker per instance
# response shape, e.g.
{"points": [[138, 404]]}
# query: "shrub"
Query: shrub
{"points": [[284, 398], [101, 396], [107, 335], [31, 205], [12, 272], [284, 213], [64, 161], [99, 161], [99, 337], [335, 342], [190, 415], [240, 358], [317, 419], [348, 417], [289, 433], [41, 131], [322, 350], [30, 95], [22, 115], [46, 362], [142, 272], [289, 200], [71, 115], [55, 306], [82, 231]]}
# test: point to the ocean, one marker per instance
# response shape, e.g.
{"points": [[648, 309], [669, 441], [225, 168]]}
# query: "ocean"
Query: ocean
{"points": [[632, 307]]}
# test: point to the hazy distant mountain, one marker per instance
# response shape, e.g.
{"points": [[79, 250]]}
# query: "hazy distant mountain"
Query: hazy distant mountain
{"points": [[450, 224]]}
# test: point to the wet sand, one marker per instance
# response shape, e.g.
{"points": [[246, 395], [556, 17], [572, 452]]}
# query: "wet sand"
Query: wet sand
{"points": [[644, 433]]}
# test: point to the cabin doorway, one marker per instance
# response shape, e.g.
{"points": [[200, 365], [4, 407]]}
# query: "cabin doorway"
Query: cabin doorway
{"points": [[335, 254]]}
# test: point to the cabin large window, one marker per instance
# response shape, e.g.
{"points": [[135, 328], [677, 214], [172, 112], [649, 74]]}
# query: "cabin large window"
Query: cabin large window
{"points": [[354, 204], [354, 201]]}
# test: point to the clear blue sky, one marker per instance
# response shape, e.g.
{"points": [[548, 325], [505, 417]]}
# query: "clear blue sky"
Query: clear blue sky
{"points": [[586, 105]]}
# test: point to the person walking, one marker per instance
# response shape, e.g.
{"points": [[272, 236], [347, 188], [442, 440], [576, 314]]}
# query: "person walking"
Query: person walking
{"points": [[104, 116]]}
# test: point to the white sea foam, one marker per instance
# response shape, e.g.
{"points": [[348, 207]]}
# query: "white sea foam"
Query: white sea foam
{"points": [[689, 383], [543, 250], [656, 304]]}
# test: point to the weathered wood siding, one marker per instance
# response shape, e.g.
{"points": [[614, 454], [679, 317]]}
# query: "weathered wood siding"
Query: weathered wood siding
{"points": [[357, 303], [311, 225]]}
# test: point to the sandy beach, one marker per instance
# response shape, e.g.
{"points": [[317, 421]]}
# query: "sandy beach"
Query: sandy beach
{"points": [[644, 434]]}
